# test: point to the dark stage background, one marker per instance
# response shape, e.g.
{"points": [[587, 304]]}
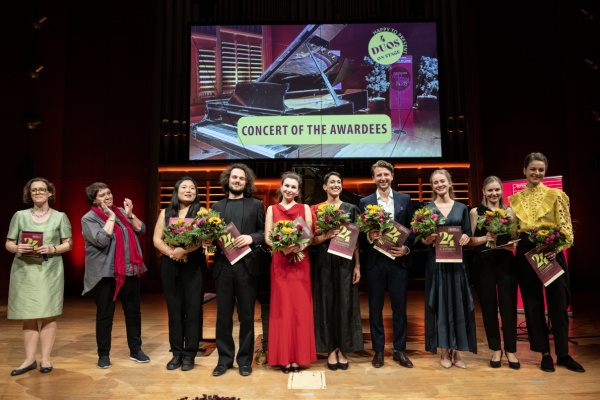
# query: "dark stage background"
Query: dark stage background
{"points": [[114, 106]]}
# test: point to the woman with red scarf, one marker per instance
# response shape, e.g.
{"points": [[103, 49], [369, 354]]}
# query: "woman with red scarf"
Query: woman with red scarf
{"points": [[113, 264]]}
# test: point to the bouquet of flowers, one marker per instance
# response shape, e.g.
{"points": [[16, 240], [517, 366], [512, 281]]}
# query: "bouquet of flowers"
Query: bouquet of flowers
{"points": [[496, 222], [425, 222], [375, 218], [181, 234], [209, 225], [548, 233], [286, 234], [329, 217]]}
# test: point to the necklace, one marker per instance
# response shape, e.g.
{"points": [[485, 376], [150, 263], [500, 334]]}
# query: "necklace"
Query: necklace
{"points": [[40, 215]]}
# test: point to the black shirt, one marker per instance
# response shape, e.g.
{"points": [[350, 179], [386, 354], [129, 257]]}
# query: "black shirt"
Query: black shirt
{"points": [[234, 212]]}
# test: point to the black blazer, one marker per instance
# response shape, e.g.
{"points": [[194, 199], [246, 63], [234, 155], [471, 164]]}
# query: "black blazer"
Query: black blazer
{"points": [[403, 213], [253, 224]]}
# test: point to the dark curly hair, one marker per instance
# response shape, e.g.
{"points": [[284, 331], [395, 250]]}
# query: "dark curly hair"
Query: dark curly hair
{"points": [[249, 189], [27, 194]]}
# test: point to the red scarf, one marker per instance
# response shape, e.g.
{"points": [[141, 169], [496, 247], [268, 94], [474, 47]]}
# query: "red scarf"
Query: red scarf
{"points": [[135, 257]]}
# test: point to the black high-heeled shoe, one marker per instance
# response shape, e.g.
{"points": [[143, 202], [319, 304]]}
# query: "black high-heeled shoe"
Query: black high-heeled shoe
{"points": [[342, 366], [513, 365], [335, 366], [497, 364]]}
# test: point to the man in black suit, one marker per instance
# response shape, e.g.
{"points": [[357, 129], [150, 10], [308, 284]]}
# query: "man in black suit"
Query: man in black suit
{"points": [[237, 284], [382, 271]]}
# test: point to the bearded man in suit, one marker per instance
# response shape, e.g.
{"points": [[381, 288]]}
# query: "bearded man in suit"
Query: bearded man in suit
{"points": [[237, 284]]}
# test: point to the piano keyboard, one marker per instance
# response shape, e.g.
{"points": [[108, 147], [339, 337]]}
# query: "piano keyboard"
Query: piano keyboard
{"points": [[224, 137]]}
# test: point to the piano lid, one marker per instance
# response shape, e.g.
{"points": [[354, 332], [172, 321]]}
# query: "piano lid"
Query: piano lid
{"points": [[308, 58]]}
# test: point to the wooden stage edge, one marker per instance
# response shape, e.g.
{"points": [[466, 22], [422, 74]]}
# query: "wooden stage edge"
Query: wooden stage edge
{"points": [[76, 375]]}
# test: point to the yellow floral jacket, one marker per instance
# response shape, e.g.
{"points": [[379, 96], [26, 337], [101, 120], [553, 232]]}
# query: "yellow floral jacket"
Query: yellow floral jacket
{"points": [[542, 204]]}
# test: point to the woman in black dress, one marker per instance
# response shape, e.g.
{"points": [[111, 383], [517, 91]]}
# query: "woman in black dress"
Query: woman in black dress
{"points": [[449, 307], [496, 268], [338, 328]]}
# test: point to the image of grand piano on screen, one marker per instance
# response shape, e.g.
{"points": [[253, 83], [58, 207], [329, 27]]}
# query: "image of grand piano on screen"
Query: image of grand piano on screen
{"points": [[312, 70]]}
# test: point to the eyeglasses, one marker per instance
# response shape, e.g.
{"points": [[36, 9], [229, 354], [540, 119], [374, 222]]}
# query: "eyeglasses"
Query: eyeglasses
{"points": [[40, 190]]}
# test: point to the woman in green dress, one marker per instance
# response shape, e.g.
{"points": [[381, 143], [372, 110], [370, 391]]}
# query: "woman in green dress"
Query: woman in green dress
{"points": [[37, 276]]}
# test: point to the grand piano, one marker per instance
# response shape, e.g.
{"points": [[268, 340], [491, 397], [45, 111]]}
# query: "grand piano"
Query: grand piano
{"points": [[301, 81]]}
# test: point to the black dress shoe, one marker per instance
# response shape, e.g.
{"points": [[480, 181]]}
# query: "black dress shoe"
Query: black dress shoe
{"points": [[378, 359], [245, 370], [547, 364], [188, 363], [513, 365], [174, 363], [23, 370], [497, 364], [334, 366], [220, 370], [402, 358], [295, 369], [567, 361], [45, 370], [286, 370]]}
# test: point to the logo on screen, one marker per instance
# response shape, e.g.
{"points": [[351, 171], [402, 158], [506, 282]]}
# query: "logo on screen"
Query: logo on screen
{"points": [[400, 78], [387, 46]]}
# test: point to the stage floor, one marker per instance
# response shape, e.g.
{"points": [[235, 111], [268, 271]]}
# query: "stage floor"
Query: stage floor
{"points": [[76, 375]]}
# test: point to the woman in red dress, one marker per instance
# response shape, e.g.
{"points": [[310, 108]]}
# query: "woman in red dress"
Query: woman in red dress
{"points": [[291, 326]]}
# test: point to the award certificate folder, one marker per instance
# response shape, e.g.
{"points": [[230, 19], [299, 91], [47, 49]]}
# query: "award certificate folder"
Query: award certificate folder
{"points": [[306, 233], [34, 238], [392, 237], [344, 243], [547, 270], [225, 243], [447, 249]]}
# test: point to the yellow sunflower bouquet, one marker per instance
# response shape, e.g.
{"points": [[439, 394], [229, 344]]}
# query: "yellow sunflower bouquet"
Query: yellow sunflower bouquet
{"points": [[496, 222], [329, 217], [209, 225], [548, 233], [374, 218], [425, 222], [286, 233]]}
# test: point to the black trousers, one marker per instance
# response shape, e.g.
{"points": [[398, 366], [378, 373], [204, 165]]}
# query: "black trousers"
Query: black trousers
{"points": [[182, 286], [235, 287], [129, 294], [558, 298], [497, 288], [380, 274]]}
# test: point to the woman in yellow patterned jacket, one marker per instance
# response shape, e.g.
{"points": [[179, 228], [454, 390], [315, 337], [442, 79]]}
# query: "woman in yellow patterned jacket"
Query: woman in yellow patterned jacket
{"points": [[533, 206]]}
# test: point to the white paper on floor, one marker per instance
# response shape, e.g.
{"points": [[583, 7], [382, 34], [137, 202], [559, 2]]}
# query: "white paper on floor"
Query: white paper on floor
{"points": [[307, 380]]}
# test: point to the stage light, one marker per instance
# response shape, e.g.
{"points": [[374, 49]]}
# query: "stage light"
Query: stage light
{"points": [[593, 63], [37, 21], [35, 70], [32, 122]]}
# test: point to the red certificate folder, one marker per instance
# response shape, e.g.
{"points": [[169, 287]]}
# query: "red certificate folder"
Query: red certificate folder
{"points": [[392, 237], [546, 269], [447, 249], [225, 243], [343, 243], [34, 238]]}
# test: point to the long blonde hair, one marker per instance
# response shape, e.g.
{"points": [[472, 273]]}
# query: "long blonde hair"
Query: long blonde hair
{"points": [[448, 176], [487, 181]]}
